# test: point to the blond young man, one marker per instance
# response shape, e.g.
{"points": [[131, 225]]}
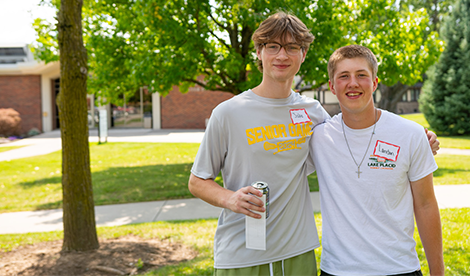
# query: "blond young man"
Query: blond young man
{"points": [[381, 180], [263, 135]]}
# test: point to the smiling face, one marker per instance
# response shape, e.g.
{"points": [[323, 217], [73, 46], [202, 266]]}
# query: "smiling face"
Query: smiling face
{"points": [[353, 82], [281, 25], [280, 67]]}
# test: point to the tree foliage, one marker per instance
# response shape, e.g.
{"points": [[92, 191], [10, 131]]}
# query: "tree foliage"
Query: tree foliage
{"points": [[437, 10], [446, 94], [399, 39], [162, 43]]}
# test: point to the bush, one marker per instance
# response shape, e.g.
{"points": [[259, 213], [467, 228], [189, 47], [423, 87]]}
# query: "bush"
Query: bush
{"points": [[10, 122], [33, 132], [446, 94]]}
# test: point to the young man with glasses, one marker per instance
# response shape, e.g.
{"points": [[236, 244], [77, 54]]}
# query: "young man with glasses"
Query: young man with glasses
{"points": [[262, 135]]}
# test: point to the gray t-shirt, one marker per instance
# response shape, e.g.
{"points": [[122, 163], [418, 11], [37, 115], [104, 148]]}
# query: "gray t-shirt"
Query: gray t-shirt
{"points": [[251, 138]]}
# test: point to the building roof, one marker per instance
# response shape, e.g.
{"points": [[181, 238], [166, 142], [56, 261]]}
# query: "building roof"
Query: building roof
{"points": [[19, 60], [15, 54]]}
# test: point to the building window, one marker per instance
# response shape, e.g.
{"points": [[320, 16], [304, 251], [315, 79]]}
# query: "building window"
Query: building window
{"points": [[12, 55], [415, 94], [12, 52], [404, 98]]}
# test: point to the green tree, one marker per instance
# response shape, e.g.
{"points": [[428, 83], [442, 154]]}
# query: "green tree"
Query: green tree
{"points": [[437, 10], [162, 43], [446, 94], [399, 39], [78, 207]]}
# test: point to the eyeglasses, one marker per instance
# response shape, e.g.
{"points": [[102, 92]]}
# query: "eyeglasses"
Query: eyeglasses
{"points": [[273, 48]]}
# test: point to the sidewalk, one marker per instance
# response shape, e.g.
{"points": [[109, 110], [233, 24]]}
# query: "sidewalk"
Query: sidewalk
{"points": [[119, 214], [448, 196], [49, 142]]}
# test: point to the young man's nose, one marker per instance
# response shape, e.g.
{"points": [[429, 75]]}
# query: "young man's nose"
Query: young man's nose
{"points": [[353, 82], [282, 53]]}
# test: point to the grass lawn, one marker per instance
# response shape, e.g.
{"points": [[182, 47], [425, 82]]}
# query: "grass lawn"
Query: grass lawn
{"points": [[136, 172], [199, 234], [458, 142], [121, 173], [453, 169], [418, 118]]}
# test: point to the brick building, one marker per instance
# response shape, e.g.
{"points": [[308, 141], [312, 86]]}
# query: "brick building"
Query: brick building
{"points": [[22, 85], [23, 94], [31, 88], [190, 110]]}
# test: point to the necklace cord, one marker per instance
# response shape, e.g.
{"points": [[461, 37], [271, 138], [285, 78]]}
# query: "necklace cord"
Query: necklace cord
{"points": [[370, 140]]}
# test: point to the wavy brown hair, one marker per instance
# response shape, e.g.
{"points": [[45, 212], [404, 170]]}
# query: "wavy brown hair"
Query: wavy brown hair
{"points": [[283, 26]]}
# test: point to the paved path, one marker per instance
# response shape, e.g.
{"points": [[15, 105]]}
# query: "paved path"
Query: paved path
{"points": [[454, 151], [49, 142], [448, 196], [180, 209]]}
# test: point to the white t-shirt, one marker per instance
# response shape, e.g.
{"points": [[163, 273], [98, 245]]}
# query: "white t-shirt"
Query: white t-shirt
{"points": [[251, 138], [368, 222]]}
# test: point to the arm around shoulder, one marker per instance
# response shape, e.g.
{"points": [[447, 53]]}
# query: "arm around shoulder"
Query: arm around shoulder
{"points": [[429, 223], [433, 142]]}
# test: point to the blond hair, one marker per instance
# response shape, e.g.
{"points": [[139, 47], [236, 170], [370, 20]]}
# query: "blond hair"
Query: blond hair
{"points": [[348, 52]]}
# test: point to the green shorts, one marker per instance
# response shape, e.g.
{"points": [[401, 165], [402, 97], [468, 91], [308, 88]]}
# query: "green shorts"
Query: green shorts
{"points": [[304, 264]]}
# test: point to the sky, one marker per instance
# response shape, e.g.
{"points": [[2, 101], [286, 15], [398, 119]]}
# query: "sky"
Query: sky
{"points": [[16, 18]]}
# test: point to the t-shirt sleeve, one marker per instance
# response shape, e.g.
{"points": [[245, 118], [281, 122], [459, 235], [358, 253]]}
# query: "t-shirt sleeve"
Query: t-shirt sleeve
{"points": [[211, 154], [310, 164], [321, 116], [422, 160]]}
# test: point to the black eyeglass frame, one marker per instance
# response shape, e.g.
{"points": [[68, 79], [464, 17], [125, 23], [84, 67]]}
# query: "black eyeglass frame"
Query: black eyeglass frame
{"points": [[282, 46]]}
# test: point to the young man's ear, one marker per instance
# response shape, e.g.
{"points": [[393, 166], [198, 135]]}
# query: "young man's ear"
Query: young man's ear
{"points": [[376, 83], [304, 54], [258, 53], [332, 88]]}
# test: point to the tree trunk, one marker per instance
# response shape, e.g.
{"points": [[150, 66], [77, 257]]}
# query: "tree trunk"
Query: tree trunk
{"points": [[391, 95], [79, 214]]}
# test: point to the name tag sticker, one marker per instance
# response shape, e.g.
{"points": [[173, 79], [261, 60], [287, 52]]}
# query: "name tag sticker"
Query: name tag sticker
{"points": [[299, 116], [386, 150]]}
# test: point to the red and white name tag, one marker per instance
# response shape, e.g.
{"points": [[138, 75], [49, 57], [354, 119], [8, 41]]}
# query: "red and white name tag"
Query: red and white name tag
{"points": [[299, 116], [386, 150]]}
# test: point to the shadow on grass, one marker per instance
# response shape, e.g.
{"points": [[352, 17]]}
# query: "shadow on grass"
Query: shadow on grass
{"points": [[40, 182], [118, 185], [130, 184], [448, 172]]}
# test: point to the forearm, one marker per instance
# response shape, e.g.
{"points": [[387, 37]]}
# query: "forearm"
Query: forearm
{"points": [[209, 191], [242, 201], [430, 231]]}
